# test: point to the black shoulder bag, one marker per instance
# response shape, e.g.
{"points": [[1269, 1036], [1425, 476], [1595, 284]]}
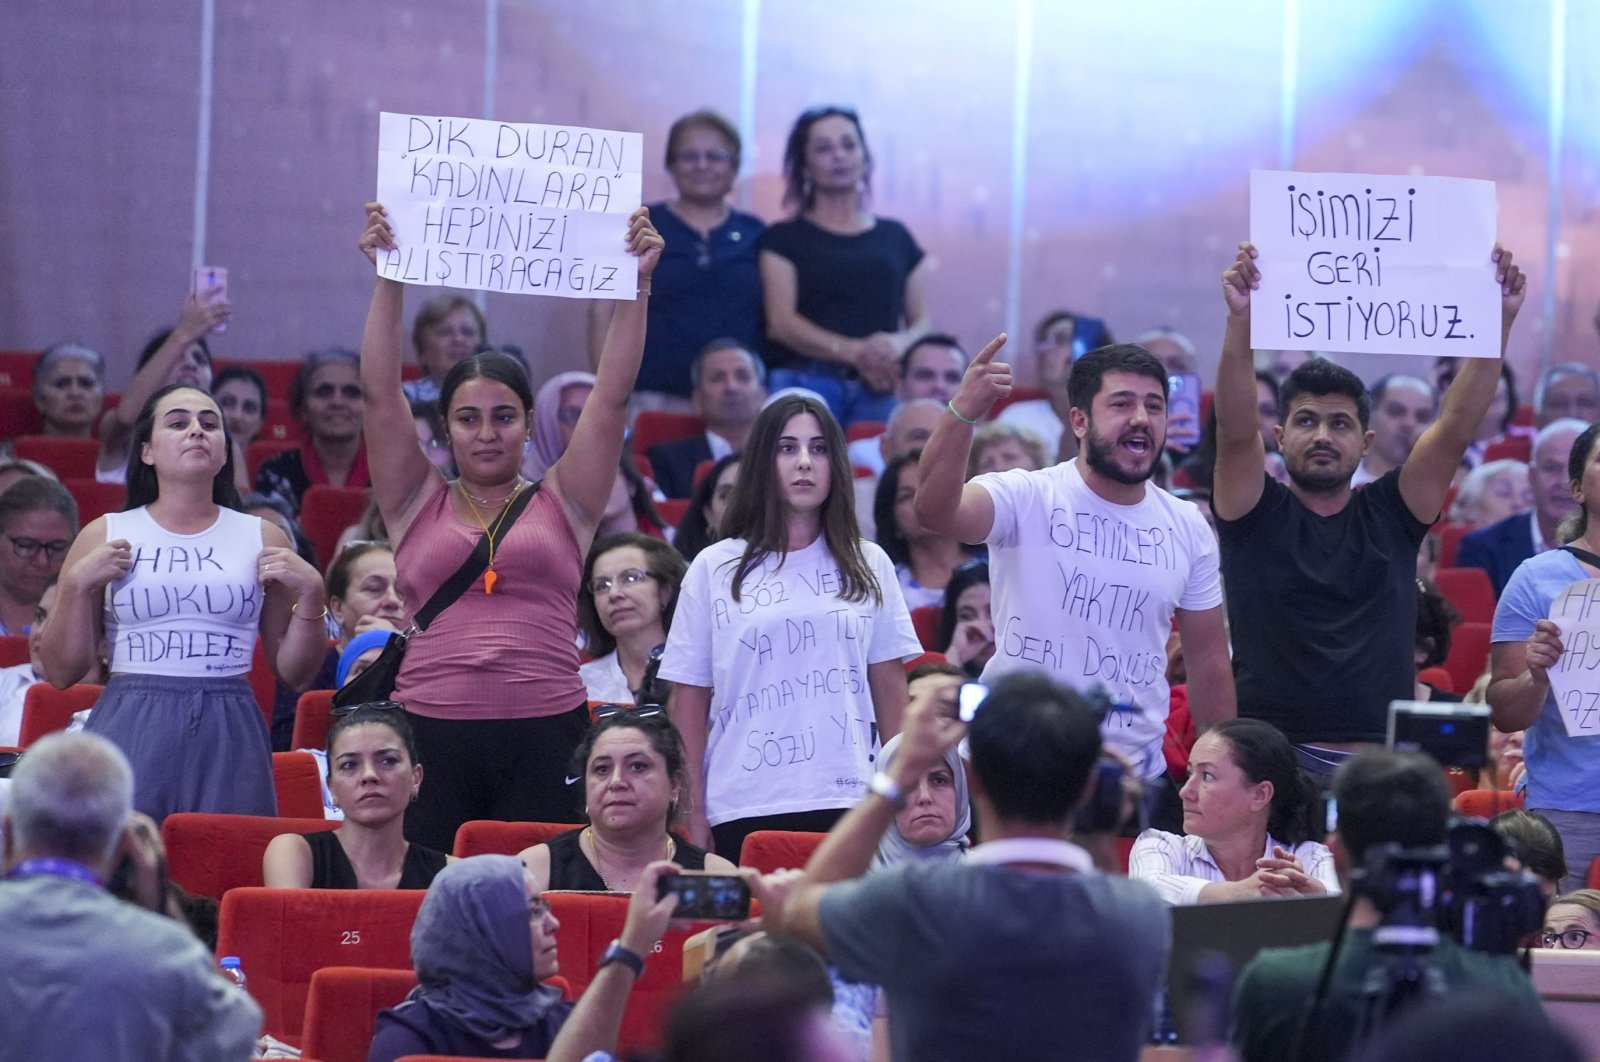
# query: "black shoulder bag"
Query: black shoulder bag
{"points": [[1584, 555], [376, 683]]}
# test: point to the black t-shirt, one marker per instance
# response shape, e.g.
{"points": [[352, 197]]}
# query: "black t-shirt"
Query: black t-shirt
{"points": [[331, 869], [851, 285], [571, 870], [1323, 610]]}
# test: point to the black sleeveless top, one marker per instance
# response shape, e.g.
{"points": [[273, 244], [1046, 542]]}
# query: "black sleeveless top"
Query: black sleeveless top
{"points": [[331, 869], [571, 870]]}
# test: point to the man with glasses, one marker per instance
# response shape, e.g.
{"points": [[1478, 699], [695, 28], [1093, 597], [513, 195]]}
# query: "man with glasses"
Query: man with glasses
{"points": [[38, 521], [1385, 798]]}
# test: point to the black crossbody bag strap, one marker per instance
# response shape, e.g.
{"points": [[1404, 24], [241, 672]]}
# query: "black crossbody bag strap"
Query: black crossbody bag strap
{"points": [[472, 567], [1583, 555]]}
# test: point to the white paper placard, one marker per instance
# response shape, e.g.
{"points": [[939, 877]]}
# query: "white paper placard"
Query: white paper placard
{"points": [[509, 206], [1575, 680], [1374, 264]]}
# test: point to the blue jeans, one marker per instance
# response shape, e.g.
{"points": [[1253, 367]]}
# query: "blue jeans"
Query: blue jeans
{"points": [[847, 397]]}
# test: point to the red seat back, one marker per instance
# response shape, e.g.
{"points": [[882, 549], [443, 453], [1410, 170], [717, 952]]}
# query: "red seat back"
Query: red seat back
{"points": [[277, 423], [1018, 394], [342, 1008], [46, 709], [1438, 676], [96, 499], [653, 426], [263, 682], [1593, 881], [299, 786], [1515, 447], [324, 514], [16, 368], [1469, 654], [18, 413], [672, 510], [864, 429], [1450, 536], [492, 837], [67, 458], [210, 854], [13, 650], [313, 718], [283, 936], [1469, 590], [1486, 803], [925, 619], [770, 850], [258, 452]]}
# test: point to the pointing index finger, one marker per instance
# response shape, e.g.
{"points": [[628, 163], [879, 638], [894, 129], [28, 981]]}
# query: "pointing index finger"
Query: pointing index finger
{"points": [[990, 349]]}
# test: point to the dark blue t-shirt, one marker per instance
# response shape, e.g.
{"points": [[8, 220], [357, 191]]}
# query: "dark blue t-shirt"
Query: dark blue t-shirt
{"points": [[701, 290]]}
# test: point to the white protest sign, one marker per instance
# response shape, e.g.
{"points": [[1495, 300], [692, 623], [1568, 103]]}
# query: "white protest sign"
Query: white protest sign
{"points": [[507, 206], [1374, 264], [1575, 680]]}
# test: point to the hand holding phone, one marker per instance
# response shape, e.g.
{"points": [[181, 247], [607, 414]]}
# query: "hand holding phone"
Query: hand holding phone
{"points": [[210, 287], [706, 897]]}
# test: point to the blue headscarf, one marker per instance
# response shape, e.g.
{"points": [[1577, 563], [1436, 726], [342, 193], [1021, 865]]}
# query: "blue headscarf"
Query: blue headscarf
{"points": [[472, 951], [894, 848], [361, 643]]}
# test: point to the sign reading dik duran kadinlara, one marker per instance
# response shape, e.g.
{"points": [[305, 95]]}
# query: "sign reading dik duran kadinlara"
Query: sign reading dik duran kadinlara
{"points": [[509, 206], [1374, 264]]}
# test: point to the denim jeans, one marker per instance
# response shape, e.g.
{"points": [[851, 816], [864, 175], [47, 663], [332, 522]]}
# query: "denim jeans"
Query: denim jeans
{"points": [[847, 397]]}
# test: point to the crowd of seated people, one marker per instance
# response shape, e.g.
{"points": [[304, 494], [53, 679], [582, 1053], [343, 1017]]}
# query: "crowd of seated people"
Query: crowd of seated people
{"points": [[668, 648]]}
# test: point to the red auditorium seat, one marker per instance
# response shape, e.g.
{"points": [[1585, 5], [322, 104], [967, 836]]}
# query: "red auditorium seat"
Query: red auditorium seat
{"points": [[493, 837], [1469, 655], [261, 450], [770, 850], [313, 718], [1469, 590], [1515, 447], [864, 429], [672, 510], [1018, 394], [16, 368], [277, 423], [299, 785], [925, 619], [46, 709], [1486, 803], [925, 658], [96, 499], [342, 1008], [67, 458], [17, 412], [1450, 536], [13, 650], [278, 374], [653, 426], [209, 854], [324, 514]]}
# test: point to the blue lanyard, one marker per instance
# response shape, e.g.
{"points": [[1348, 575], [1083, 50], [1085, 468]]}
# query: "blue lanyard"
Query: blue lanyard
{"points": [[65, 868]]}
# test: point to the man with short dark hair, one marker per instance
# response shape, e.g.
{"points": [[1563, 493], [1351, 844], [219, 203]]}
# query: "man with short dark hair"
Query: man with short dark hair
{"points": [[1403, 406], [1385, 798], [930, 369], [1322, 601], [730, 384], [1090, 563], [1024, 951], [86, 975]]}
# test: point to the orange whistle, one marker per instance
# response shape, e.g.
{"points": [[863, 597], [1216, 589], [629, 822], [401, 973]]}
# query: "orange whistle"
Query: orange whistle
{"points": [[489, 579]]}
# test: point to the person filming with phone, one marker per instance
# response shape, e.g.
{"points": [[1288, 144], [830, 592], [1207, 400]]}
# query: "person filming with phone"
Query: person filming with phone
{"points": [[1024, 950]]}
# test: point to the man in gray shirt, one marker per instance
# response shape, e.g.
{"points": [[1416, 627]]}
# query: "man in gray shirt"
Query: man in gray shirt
{"points": [[1022, 951], [84, 975]]}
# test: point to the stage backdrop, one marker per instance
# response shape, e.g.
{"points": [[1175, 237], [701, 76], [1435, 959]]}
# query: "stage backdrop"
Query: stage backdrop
{"points": [[1046, 154]]}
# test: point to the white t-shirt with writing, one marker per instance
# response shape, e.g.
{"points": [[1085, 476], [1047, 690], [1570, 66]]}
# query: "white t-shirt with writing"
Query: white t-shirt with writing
{"points": [[190, 604], [791, 726], [1086, 588]]}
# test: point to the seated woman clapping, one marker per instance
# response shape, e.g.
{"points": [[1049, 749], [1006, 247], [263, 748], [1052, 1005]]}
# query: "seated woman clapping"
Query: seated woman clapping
{"points": [[1247, 823], [635, 788], [374, 775]]}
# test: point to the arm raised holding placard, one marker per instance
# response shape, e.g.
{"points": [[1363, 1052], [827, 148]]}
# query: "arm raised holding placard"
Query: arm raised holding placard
{"points": [[1241, 455], [1426, 476]]}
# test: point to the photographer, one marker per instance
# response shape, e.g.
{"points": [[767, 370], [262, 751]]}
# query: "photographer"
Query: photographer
{"points": [[1023, 950], [1384, 798]]}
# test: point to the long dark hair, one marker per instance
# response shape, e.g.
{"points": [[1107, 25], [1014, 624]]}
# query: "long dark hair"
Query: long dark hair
{"points": [[664, 739], [965, 577], [695, 533], [797, 191], [755, 512], [890, 535], [144, 487], [1265, 755], [1574, 527]]}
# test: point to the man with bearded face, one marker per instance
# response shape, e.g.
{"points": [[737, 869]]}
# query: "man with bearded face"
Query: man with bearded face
{"points": [[1090, 564], [1321, 576]]}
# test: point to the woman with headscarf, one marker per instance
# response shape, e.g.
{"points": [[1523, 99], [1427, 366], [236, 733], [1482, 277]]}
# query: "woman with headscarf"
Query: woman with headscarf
{"points": [[933, 826], [555, 416], [483, 944]]}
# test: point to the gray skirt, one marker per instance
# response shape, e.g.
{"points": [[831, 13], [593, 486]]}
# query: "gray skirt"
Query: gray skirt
{"points": [[195, 744]]}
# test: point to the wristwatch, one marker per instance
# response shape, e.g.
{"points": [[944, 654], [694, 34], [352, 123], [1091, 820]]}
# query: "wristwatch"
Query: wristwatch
{"points": [[615, 952], [884, 786]]}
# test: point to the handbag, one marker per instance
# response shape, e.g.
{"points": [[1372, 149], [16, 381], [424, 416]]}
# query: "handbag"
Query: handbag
{"points": [[377, 682]]}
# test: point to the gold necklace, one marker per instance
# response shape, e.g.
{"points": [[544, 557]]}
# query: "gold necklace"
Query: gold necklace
{"points": [[490, 577], [672, 850], [490, 501]]}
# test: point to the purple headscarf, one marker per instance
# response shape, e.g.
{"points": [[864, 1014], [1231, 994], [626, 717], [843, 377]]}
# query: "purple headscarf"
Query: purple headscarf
{"points": [[546, 449], [473, 953]]}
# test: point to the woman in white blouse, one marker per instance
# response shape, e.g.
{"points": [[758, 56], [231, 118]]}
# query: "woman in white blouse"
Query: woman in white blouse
{"points": [[1247, 820], [625, 603]]}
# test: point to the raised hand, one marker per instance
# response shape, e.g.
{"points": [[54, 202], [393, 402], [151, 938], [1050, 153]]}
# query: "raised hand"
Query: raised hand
{"points": [[1240, 280], [969, 641], [1513, 284], [379, 234], [200, 315], [986, 382], [644, 241]]}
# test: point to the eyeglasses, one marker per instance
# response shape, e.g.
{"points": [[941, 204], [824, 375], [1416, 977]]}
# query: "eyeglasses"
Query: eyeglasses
{"points": [[376, 706], [627, 577], [325, 391], [716, 156], [1571, 939], [28, 548], [538, 909], [609, 711]]}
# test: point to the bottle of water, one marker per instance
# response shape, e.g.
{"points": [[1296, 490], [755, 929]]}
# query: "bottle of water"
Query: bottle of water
{"points": [[233, 971]]}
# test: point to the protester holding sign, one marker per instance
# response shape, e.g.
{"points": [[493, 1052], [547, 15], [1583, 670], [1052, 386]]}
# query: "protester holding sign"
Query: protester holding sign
{"points": [[1320, 577], [178, 585], [788, 641], [842, 287], [492, 685], [1544, 648]]}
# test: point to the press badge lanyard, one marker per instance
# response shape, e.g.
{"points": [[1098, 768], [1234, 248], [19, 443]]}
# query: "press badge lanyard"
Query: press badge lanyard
{"points": [[64, 868], [1041, 850]]}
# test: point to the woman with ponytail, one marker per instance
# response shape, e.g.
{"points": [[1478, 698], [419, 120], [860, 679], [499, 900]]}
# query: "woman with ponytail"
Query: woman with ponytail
{"points": [[1247, 821]]}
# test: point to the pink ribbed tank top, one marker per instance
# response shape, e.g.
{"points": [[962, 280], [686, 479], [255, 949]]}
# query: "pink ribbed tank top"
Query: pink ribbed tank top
{"points": [[509, 655]]}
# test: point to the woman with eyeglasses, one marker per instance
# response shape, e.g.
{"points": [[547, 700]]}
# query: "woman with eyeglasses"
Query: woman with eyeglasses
{"points": [[702, 522], [326, 399], [374, 775], [179, 585], [788, 641], [636, 790], [1573, 921], [492, 686], [842, 287], [630, 585], [707, 286], [38, 519], [556, 411]]}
